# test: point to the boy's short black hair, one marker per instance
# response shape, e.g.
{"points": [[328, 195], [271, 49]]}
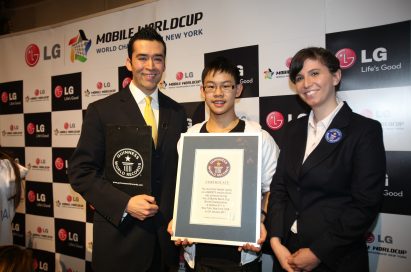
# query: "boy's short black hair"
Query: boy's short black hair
{"points": [[223, 65], [145, 33]]}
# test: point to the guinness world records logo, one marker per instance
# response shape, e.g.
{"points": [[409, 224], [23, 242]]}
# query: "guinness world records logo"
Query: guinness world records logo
{"points": [[218, 167], [128, 163]]}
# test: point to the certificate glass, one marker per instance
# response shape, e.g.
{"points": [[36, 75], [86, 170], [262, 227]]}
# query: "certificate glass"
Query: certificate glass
{"points": [[218, 189]]}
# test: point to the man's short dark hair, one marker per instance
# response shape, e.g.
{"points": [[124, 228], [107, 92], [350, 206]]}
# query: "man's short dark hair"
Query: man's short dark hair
{"points": [[145, 33], [222, 65]]}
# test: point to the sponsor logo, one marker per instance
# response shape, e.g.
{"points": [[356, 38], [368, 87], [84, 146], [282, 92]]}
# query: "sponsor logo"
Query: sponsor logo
{"points": [[71, 201], [62, 234], [384, 245], [38, 96], [184, 79], [125, 82], [268, 74], [162, 85], [275, 120], [59, 163], [32, 54], [347, 57], [14, 131], [4, 97], [58, 91], [31, 196], [390, 193], [39, 233], [102, 89], [68, 129], [176, 23], [80, 46]]}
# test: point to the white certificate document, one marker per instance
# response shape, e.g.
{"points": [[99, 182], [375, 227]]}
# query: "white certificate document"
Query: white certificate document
{"points": [[217, 187]]}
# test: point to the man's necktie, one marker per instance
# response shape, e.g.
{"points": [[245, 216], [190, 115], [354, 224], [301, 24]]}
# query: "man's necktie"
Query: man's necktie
{"points": [[150, 119]]}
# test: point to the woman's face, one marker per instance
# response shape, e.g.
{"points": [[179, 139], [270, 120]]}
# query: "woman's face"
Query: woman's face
{"points": [[315, 84]]}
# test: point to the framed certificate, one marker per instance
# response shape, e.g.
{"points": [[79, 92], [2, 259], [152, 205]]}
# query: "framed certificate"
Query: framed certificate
{"points": [[218, 189]]}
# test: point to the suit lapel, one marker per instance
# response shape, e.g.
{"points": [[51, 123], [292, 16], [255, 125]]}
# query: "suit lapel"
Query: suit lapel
{"points": [[326, 147], [164, 118], [297, 148], [130, 107]]}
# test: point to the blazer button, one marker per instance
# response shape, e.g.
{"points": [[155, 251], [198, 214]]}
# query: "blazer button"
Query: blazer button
{"points": [[297, 213], [298, 189]]}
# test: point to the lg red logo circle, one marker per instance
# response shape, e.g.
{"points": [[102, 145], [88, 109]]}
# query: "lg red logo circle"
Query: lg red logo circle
{"points": [[30, 128], [69, 198], [66, 125], [288, 62], [125, 82], [179, 76], [62, 235], [59, 163], [275, 120], [32, 55], [347, 57], [58, 91], [4, 97], [36, 92], [370, 238], [31, 195], [99, 85]]}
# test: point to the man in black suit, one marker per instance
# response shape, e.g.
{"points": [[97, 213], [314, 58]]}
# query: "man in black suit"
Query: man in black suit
{"points": [[129, 232]]}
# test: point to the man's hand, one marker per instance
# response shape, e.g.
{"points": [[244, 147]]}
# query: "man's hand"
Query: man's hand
{"points": [[142, 207]]}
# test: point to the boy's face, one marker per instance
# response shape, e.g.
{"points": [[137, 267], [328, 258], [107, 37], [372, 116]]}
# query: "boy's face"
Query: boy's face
{"points": [[219, 91]]}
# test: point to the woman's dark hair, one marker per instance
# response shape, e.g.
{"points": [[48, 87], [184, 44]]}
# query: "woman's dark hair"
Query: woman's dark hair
{"points": [[17, 193], [15, 259], [314, 53]]}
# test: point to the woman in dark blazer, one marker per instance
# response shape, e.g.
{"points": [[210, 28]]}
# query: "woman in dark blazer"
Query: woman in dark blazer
{"points": [[327, 189]]}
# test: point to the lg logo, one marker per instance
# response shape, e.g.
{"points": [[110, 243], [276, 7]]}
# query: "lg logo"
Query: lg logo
{"points": [[31, 128], [32, 54], [59, 91], [348, 57], [275, 120], [5, 97], [64, 235]]}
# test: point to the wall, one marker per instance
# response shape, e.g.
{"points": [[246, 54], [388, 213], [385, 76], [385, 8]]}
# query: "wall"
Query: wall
{"points": [[46, 85]]}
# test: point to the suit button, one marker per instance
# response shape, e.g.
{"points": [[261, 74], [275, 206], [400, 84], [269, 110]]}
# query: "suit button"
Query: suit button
{"points": [[297, 213], [298, 189], [158, 181]]}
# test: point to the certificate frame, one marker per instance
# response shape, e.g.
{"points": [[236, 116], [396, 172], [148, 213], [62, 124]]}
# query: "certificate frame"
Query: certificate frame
{"points": [[187, 224]]}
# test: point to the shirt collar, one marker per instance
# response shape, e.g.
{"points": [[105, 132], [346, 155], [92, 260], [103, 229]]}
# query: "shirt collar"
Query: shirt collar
{"points": [[325, 123], [139, 96]]}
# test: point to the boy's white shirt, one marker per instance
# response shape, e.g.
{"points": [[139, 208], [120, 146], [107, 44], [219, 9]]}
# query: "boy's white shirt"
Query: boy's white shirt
{"points": [[270, 153]]}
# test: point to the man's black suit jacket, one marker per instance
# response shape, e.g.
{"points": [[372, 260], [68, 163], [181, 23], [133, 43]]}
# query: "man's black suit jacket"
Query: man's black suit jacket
{"points": [[335, 194], [128, 244]]}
